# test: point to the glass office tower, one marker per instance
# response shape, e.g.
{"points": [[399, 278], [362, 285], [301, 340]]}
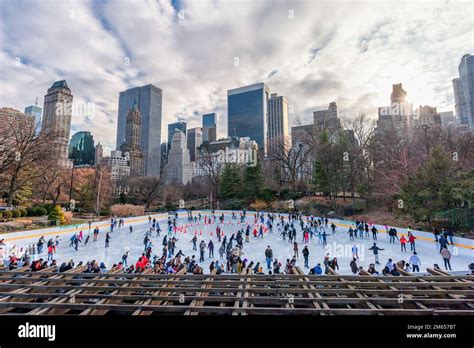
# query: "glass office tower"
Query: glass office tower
{"points": [[247, 113], [209, 127]]}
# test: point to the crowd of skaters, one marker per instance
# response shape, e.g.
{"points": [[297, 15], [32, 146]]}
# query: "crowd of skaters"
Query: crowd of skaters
{"points": [[231, 259]]}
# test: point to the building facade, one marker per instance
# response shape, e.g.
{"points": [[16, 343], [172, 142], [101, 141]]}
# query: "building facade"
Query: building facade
{"points": [[327, 119], [247, 113], [179, 169], [82, 149], [464, 91], [398, 117], [149, 101], [99, 153], [209, 127], [194, 140], [278, 126], [131, 148], [119, 168], [56, 123], [37, 112], [172, 127]]}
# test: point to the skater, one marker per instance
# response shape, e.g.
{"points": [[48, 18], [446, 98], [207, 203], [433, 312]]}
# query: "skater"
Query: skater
{"points": [[87, 240], [415, 262], [194, 241], [317, 270], [351, 234], [354, 267], [124, 258], [374, 233], [355, 252], [403, 243], [333, 228], [446, 255], [305, 253], [269, 256], [202, 249], [210, 246], [222, 251], [50, 253], [107, 239], [443, 243], [375, 249], [295, 250], [96, 234], [411, 240]]}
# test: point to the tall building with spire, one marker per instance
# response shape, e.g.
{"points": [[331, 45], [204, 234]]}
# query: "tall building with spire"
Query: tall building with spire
{"points": [[179, 169], [36, 111], [149, 101], [398, 116], [131, 147], [56, 122]]}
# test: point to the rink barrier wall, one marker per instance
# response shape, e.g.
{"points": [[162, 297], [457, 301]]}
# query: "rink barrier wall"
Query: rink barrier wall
{"points": [[105, 224]]}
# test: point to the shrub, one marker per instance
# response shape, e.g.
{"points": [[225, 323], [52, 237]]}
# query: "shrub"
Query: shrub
{"points": [[259, 205], [123, 210], [16, 213], [40, 211], [23, 212], [31, 211], [57, 214], [67, 217], [1, 215], [8, 214]]}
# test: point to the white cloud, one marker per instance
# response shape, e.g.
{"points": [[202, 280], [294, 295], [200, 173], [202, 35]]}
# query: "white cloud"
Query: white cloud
{"points": [[313, 52]]}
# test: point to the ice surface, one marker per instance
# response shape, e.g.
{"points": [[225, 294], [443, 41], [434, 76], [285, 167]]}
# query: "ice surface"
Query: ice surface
{"points": [[338, 245]]}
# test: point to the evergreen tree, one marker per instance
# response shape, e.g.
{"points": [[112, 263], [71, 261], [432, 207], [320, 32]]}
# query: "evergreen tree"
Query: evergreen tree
{"points": [[320, 179], [431, 189], [253, 182], [229, 181]]}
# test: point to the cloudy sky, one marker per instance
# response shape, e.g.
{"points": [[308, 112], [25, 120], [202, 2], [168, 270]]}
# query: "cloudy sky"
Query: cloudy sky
{"points": [[313, 52]]}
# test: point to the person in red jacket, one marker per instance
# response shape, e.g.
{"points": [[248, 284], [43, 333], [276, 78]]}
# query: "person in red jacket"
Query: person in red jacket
{"points": [[403, 242], [50, 252], [411, 240]]}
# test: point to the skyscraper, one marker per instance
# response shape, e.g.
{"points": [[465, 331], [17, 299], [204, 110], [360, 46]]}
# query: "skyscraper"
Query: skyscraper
{"points": [[327, 118], [194, 139], [459, 101], [209, 127], [131, 147], [398, 116], [149, 101], [99, 154], [464, 91], [278, 128], [172, 127], [119, 168], [81, 149], [35, 111], [12, 121], [179, 169], [247, 113], [57, 120]]}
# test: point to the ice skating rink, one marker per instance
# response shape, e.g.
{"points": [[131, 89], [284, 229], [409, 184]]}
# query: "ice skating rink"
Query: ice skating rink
{"points": [[338, 244]]}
